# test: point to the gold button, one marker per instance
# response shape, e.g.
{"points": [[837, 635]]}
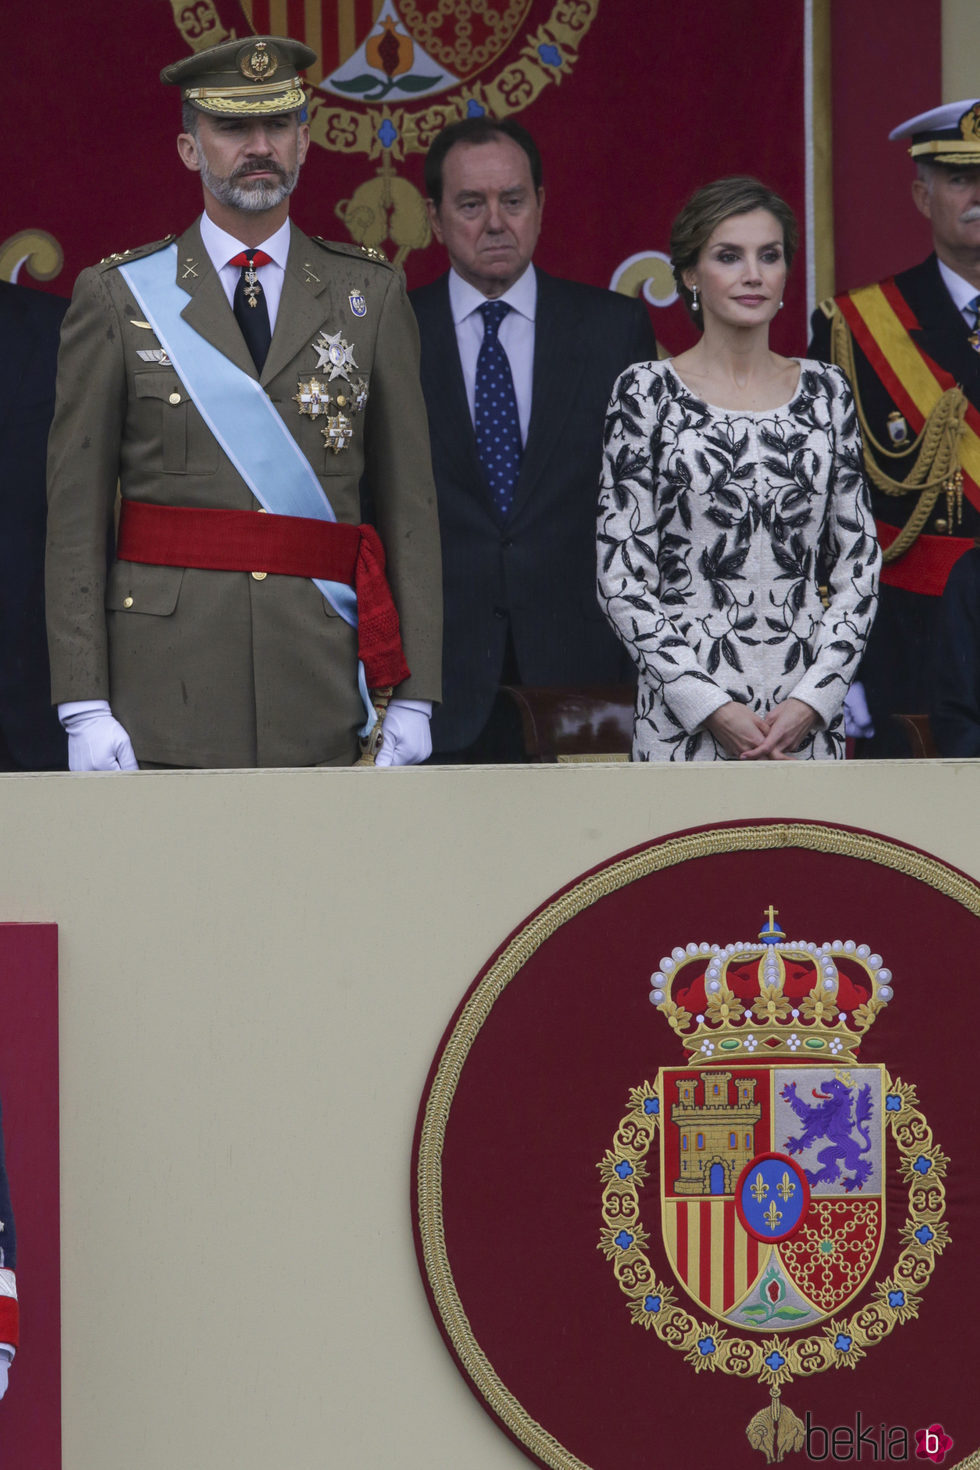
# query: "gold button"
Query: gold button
{"points": [[175, 398], [127, 602], [940, 524], [260, 576]]}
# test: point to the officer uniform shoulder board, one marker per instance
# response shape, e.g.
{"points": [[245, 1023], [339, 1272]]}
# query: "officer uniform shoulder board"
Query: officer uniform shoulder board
{"points": [[361, 252], [138, 251]]}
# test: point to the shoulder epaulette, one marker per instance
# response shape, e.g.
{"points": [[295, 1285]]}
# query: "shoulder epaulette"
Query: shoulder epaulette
{"points": [[828, 306], [346, 247], [120, 257]]}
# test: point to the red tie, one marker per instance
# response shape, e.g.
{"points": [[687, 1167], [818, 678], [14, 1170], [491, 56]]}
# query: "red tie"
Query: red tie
{"points": [[258, 257]]}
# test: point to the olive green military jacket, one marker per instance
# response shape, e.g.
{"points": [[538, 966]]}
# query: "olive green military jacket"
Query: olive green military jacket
{"points": [[218, 668]]}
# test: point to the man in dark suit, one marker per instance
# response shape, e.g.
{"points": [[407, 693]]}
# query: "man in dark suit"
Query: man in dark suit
{"points": [[517, 368], [911, 348], [30, 736]]}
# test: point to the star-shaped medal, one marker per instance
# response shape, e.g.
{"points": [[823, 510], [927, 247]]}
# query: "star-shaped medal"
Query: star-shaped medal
{"points": [[333, 353], [337, 432], [360, 393], [312, 397]]}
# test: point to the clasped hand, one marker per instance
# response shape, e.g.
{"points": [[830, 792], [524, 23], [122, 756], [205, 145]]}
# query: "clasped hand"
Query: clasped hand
{"points": [[770, 737]]}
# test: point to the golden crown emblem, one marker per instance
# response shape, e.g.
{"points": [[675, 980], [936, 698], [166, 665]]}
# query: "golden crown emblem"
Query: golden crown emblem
{"points": [[772, 997]]}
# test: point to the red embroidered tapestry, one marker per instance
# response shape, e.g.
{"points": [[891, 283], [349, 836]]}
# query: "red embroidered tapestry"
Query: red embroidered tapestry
{"points": [[633, 106], [736, 1224]]}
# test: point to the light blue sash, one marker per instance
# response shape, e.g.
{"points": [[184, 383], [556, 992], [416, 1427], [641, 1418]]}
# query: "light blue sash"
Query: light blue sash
{"points": [[242, 418]]}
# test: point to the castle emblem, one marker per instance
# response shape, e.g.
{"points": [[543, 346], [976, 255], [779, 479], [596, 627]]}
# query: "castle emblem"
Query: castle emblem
{"points": [[775, 1145]]}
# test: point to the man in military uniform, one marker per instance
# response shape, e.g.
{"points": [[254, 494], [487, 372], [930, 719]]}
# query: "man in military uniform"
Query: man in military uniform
{"points": [[911, 348], [243, 368]]}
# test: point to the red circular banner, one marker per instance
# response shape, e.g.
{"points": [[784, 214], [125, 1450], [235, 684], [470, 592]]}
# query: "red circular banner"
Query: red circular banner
{"points": [[578, 1151]]}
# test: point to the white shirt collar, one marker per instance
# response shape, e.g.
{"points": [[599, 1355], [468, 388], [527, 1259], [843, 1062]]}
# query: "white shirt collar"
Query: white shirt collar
{"points": [[465, 299], [962, 292], [221, 246]]}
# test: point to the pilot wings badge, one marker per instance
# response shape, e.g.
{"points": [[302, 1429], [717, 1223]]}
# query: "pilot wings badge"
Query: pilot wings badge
{"points": [[774, 1145]]}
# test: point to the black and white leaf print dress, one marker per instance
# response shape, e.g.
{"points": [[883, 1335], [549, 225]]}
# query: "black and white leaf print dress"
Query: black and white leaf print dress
{"points": [[716, 529]]}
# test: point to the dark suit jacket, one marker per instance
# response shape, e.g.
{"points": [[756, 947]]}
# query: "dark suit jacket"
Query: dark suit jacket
{"points": [[898, 665], [534, 571], [29, 326]]}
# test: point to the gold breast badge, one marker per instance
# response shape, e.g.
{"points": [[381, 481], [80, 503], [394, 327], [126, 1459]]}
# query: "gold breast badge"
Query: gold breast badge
{"points": [[337, 432], [313, 397]]}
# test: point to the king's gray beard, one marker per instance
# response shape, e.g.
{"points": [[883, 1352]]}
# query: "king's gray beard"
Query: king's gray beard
{"points": [[250, 195]]}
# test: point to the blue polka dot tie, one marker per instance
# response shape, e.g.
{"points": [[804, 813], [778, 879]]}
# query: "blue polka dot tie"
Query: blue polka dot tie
{"points": [[498, 428]]}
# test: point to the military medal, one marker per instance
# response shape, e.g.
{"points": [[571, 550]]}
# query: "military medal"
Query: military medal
{"points": [[334, 353], [337, 432], [357, 303], [312, 397], [898, 429], [252, 288], [359, 390]]}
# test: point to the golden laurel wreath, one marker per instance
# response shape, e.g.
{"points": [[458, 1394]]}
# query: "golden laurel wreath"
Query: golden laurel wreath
{"points": [[774, 1360]]}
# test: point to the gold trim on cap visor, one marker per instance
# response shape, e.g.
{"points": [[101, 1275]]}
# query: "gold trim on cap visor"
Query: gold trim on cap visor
{"points": [[954, 147], [234, 99]]}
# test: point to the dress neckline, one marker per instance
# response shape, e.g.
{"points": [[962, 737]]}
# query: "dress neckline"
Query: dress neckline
{"points": [[752, 413]]}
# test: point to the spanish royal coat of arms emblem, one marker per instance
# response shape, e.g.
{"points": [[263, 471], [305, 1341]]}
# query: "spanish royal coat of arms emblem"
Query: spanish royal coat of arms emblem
{"points": [[770, 1145]]}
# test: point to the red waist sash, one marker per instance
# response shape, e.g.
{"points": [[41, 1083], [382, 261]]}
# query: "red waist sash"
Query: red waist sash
{"points": [[927, 563], [292, 546]]}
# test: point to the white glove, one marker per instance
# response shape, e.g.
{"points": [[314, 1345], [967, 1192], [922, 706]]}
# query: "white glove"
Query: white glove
{"points": [[857, 717], [4, 1369], [96, 741], [405, 736]]}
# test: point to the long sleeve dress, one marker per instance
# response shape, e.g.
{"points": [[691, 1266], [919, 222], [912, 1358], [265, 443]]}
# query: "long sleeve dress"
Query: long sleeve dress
{"points": [[716, 530]]}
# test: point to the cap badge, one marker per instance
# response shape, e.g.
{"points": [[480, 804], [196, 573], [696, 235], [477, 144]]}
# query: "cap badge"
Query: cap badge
{"points": [[334, 353], [357, 303], [259, 62], [970, 123]]}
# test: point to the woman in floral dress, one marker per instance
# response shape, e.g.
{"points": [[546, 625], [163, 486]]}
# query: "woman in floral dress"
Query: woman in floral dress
{"points": [[732, 490]]}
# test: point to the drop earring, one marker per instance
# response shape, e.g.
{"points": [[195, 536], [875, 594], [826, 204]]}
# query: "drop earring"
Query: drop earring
{"points": [[694, 299], [780, 306]]}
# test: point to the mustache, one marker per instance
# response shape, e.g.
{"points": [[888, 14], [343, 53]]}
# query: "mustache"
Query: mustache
{"points": [[969, 216], [259, 166]]}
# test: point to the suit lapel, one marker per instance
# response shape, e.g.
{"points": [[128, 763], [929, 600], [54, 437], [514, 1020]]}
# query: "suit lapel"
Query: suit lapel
{"points": [[943, 333], [445, 392], [559, 361], [296, 320], [208, 311]]}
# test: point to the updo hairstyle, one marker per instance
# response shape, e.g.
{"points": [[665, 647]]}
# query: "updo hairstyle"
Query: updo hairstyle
{"points": [[706, 209]]}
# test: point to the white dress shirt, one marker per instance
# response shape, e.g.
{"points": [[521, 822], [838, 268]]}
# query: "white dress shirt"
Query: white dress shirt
{"points": [[516, 336], [221, 247], [962, 292]]}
